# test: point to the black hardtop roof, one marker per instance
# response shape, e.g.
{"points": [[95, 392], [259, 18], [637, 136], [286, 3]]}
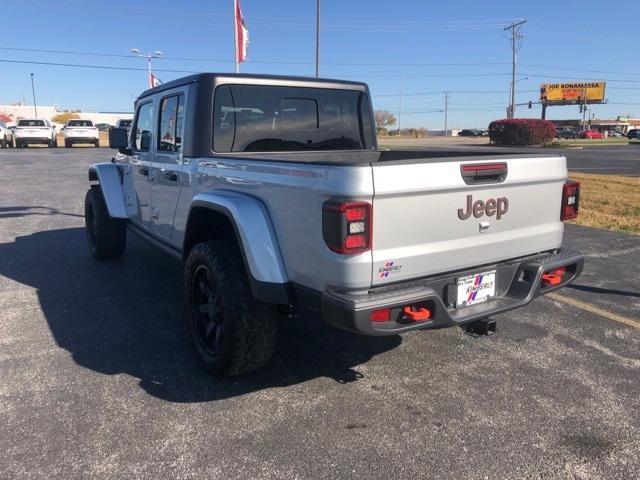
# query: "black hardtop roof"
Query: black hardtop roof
{"points": [[244, 78]]}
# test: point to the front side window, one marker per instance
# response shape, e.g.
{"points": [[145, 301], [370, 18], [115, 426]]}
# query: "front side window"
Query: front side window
{"points": [[171, 114], [252, 118], [144, 127]]}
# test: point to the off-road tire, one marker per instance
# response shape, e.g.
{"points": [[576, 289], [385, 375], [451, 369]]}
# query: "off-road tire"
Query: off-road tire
{"points": [[106, 236], [67, 144], [248, 328], [4, 143], [52, 144]]}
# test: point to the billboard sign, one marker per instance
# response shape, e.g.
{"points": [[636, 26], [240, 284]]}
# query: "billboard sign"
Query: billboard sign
{"points": [[572, 93]]}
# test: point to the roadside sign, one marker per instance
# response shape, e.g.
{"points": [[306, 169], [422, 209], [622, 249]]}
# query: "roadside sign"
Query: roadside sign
{"points": [[572, 93]]}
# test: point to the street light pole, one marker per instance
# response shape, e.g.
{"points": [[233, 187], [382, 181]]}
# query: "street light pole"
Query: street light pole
{"points": [[148, 56], [33, 90]]}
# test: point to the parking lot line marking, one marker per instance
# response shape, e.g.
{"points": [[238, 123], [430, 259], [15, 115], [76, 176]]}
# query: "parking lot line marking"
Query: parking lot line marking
{"points": [[598, 311]]}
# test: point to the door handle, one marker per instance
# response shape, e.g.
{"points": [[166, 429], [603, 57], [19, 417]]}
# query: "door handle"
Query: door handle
{"points": [[144, 171], [171, 176]]}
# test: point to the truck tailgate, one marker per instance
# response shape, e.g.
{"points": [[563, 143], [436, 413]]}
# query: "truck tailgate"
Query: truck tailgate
{"points": [[422, 224]]}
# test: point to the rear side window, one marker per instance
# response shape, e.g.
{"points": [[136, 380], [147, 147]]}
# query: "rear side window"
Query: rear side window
{"points": [[251, 118], [171, 114], [144, 127]]}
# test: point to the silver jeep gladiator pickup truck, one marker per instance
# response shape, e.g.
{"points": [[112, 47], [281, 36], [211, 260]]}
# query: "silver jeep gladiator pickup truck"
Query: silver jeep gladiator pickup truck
{"points": [[272, 192]]}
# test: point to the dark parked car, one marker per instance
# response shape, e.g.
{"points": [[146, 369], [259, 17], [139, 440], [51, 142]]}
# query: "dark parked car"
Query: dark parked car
{"points": [[568, 133], [470, 132], [633, 133]]}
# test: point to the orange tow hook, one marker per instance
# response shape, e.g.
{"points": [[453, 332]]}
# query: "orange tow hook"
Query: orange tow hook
{"points": [[416, 314], [553, 278]]}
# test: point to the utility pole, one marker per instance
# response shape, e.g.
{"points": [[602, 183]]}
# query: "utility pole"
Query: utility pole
{"points": [[317, 38], [515, 37], [33, 90], [400, 109], [584, 106], [446, 112]]}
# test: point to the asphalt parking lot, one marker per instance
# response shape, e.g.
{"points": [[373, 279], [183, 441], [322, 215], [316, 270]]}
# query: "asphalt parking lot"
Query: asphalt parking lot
{"points": [[98, 379]]}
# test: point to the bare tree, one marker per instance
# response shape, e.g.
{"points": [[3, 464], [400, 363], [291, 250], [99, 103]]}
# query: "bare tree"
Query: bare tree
{"points": [[383, 119]]}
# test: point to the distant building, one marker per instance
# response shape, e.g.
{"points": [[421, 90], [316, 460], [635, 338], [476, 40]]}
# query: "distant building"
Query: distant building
{"points": [[13, 113], [621, 124]]}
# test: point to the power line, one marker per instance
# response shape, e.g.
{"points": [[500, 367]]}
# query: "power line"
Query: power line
{"points": [[443, 75], [464, 92], [342, 64], [103, 67], [276, 62], [579, 69]]}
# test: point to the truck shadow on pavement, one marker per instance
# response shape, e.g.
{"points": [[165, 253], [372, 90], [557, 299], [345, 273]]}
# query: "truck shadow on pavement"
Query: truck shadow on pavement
{"points": [[126, 317], [18, 211]]}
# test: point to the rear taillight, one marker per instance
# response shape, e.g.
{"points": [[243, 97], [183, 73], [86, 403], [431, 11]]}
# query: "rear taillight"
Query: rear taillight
{"points": [[570, 200], [346, 226]]}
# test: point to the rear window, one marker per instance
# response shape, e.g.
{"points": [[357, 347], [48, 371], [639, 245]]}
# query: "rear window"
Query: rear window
{"points": [[31, 123], [250, 118], [80, 123]]}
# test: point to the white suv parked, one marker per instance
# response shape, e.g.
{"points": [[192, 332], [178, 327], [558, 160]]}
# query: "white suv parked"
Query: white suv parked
{"points": [[80, 131], [29, 131], [6, 136]]}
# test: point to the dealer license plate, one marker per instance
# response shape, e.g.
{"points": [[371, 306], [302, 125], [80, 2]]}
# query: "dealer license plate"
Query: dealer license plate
{"points": [[476, 288]]}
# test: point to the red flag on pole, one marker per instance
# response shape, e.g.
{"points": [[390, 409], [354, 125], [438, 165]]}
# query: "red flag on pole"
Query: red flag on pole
{"points": [[154, 81], [242, 35]]}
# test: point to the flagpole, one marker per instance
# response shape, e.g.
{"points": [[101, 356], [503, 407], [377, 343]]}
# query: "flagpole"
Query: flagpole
{"points": [[235, 33], [317, 38], [149, 70]]}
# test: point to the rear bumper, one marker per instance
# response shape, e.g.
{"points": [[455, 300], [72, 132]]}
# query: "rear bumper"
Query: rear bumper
{"points": [[517, 283], [29, 140], [81, 139]]}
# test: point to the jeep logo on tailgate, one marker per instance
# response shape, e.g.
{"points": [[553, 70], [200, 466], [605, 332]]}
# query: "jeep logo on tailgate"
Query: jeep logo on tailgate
{"points": [[491, 207]]}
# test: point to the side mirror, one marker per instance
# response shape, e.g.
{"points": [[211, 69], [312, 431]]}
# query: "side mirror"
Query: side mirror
{"points": [[118, 138]]}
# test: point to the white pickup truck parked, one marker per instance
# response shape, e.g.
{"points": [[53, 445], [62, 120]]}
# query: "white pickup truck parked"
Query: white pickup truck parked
{"points": [[34, 131], [80, 131], [272, 192]]}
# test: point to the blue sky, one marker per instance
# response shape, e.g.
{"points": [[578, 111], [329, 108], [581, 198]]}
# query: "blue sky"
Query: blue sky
{"points": [[428, 46]]}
